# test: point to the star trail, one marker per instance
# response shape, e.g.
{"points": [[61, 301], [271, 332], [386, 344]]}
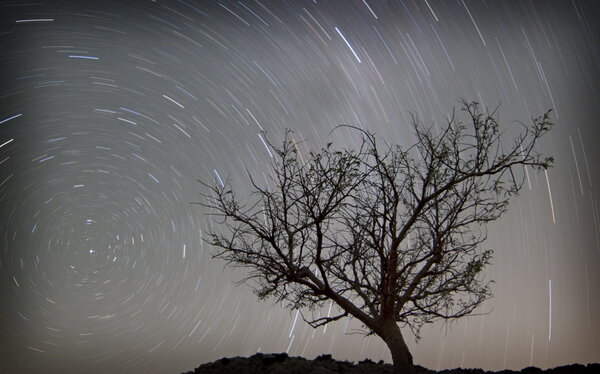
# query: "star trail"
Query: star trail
{"points": [[111, 110]]}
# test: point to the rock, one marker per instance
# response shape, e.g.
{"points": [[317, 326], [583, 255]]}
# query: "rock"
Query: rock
{"points": [[281, 363], [531, 370]]}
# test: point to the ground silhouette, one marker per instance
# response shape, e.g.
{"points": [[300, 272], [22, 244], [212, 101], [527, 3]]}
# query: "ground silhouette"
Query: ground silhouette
{"points": [[281, 363]]}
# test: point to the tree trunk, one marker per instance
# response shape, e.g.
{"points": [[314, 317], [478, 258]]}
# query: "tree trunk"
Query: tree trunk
{"points": [[403, 361]]}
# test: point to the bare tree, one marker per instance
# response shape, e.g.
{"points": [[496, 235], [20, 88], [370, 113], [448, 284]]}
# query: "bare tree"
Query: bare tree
{"points": [[390, 235]]}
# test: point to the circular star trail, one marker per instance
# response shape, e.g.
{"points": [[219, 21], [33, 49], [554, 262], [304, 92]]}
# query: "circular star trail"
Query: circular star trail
{"points": [[111, 110]]}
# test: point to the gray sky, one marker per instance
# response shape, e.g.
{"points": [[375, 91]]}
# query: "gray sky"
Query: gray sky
{"points": [[109, 111]]}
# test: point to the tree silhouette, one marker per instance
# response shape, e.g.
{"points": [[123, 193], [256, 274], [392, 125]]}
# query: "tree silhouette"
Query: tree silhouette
{"points": [[390, 235]]}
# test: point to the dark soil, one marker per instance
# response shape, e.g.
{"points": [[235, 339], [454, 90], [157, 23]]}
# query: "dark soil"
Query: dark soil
{"points": [[281, 363]]}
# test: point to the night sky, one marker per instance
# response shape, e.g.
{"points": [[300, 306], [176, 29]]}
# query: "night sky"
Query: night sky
{"points": [[110, 111]]}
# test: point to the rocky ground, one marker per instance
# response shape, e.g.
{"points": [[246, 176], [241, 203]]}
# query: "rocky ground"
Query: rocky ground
{"points": [[281, 363]]}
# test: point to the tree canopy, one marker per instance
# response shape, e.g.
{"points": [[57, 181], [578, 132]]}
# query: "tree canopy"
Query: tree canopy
{"points": [[391, 235]]}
